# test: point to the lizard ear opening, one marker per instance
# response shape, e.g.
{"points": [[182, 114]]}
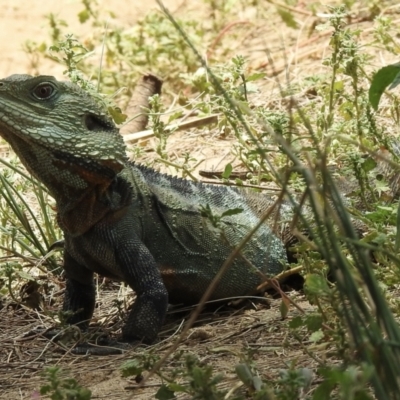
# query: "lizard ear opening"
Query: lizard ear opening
{"points": [[94, 123]]}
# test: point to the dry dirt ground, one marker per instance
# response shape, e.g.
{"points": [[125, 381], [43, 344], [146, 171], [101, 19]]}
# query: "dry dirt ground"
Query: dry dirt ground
{"points": [[220, 336], [24, 20]]}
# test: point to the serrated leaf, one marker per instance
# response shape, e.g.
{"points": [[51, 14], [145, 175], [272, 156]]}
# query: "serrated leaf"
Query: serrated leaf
{"points": [[381, 187], [117, 115], [287, 18], [164, 393], [313, 322], [316, 336], [174, 116], [381, 80], [296, 322], [131, 368], [369, 164], [316, 284]]}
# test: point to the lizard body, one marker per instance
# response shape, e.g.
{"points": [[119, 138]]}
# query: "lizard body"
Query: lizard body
{"points": [[127, 221]]}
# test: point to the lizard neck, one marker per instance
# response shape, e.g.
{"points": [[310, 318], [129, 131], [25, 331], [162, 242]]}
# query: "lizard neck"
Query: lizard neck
{"points": [[85, 191], [100, 201]]}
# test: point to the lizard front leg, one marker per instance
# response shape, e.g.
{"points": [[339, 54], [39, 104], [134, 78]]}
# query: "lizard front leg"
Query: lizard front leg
{"points": [[80, 293], [142, 275], [137, 267], [79, 297]]}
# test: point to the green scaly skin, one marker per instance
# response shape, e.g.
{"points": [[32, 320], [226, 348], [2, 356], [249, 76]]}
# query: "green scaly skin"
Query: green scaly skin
{"points": [[126, 221]]}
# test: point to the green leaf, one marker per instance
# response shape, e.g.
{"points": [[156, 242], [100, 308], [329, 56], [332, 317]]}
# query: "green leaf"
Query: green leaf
{"points": [[245, 375], [316, 336], [117, 115], [83, 16], [369, 164], [83, 394], [232, 211], [316, 284], [257, 383], [313, 322], [45, 389], [287, 18], [227, 172], [131, 368], [238, 182], [396, 82], [323, 391], [296, 322], [176, 387], [243, 106], [174, 116], [164, 393], [250, 88], [256, 76], [25, 275], [338, 86], [381, 80]]}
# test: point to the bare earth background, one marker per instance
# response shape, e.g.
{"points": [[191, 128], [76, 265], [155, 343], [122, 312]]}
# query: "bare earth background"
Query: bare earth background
{"points": [[219, 338], [23, 20]]}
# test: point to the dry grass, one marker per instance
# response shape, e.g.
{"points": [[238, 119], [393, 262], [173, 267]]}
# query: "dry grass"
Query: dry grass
{"points": [[219, 337]]}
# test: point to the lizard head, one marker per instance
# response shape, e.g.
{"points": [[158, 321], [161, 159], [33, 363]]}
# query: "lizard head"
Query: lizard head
{"points": [[57, 125]]}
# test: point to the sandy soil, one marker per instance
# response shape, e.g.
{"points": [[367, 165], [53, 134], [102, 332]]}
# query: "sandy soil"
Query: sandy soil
{"points": [[24, 20], [217, 340]]}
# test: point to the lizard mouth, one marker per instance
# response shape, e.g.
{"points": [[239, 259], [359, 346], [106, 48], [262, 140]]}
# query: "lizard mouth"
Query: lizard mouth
{"points": [[91, 171]]}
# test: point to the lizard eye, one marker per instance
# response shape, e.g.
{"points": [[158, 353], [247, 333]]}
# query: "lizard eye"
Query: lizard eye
{"points": [[43, 91]]}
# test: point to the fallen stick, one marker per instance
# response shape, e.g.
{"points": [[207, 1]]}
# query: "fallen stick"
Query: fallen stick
{"points": [[148, 86], [134, 137]]}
